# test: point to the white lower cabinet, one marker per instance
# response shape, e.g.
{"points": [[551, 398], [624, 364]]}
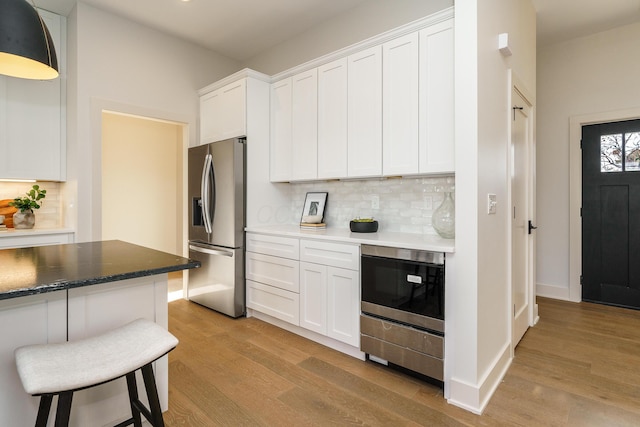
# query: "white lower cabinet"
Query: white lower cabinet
{"points": [[40, 239], [343, 295], [330, 291], [313, 297], [272, 272], [330, 301], [312, 284]]}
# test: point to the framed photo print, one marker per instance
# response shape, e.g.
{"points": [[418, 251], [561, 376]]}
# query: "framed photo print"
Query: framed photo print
{"points": [[314, 205]]}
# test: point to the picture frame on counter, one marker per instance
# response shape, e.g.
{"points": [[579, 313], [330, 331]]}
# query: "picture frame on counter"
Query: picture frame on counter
{"points": [[314, 207]]}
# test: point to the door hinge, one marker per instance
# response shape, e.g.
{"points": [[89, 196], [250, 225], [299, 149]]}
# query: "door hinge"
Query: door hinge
{"points": [[581, 279], [580, 212], [514, 310], [581, 144]]}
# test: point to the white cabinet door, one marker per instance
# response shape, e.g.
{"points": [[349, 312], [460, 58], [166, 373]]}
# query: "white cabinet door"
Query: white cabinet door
{"points": [[281, 139], [313, 297], [233, 98], [210, 107], [33, 121], [364, 118], [223, 113], [343, 288], [304, 125], [437, 153], [34, 319], [400, 106], [332, 120]]}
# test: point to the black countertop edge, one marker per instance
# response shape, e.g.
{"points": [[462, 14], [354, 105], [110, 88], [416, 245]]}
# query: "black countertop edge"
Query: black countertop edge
{"points": [[38, 270]]}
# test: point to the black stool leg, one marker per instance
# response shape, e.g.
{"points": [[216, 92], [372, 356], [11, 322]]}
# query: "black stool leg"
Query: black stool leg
{"points": [[152, 395], [133, 397], [43, 410], [64, 409]]}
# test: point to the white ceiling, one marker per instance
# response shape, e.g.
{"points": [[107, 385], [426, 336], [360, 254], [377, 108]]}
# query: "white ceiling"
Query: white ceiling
{"points": [[240, 29]]}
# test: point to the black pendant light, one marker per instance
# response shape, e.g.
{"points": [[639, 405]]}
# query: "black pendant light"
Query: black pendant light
{"points": [[26, 47]]}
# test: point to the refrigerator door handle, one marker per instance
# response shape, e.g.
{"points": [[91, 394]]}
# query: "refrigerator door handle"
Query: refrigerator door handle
{"points": [[210, 251], [204, 193]]}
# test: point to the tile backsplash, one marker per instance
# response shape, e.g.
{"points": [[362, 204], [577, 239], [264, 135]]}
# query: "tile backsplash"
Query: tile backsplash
{"points": [[405, 204], [50, 213]]}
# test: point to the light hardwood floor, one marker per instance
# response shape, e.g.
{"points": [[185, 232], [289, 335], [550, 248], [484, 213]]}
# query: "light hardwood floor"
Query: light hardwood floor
{"points": [[580, 366]]}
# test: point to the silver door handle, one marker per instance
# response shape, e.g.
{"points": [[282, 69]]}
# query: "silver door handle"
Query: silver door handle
{"points": [[204, 195], [211, 251]]}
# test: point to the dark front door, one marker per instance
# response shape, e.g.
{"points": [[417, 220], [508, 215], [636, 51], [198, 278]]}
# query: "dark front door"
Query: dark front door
{"points": [[611, 213]]}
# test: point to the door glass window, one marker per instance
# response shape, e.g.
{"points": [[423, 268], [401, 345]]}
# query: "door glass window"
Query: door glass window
{"points": [[618, 146], [632, 151], [611, 153]]}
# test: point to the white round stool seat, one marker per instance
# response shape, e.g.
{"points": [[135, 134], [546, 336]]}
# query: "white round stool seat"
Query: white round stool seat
{"points": [[74, 365]]}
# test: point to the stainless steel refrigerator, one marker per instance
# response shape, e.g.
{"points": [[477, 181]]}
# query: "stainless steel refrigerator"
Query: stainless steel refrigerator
{"points": [[216, 225]]}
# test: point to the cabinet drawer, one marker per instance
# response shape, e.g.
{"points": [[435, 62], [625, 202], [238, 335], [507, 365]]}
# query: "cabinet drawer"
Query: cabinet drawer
{"points": [[332, 254], [35, 240], [279, 272], [281, 304], [284, 247], [410, 359], [403, 336]]}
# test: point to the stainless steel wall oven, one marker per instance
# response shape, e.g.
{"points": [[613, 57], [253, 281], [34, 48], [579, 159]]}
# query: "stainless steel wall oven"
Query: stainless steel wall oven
{"points": [[402, 308]]}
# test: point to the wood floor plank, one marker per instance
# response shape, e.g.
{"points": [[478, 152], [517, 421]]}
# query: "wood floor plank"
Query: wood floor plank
{"points": [[577, 367]]}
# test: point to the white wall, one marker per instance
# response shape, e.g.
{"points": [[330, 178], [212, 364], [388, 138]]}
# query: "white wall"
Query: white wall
{"points": [[360, 23], [584, 76], [481, 318], [122, 66]]}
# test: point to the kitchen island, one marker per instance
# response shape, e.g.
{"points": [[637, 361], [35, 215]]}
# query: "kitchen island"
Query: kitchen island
{"points": [[66, 292]]}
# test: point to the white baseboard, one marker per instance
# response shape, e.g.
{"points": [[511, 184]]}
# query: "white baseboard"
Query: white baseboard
{"points": [[550, 291], [475, 397]]}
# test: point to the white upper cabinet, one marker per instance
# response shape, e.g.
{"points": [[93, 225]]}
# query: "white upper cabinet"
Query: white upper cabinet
{"points": [[374, 110], [332, 120], [304, 125], [400, 106], [436, 122], [33, 119], [223, 112], [364, 117], [281, 138]]}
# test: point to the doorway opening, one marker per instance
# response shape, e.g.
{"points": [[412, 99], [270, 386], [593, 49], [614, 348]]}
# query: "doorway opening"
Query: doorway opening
{"points": [[143, 185], [611, 213]]}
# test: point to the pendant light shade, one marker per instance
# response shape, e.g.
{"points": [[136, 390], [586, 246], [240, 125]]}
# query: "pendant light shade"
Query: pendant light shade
{"points": [[26, 47]]}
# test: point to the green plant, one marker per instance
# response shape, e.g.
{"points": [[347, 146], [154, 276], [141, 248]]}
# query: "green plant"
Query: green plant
{"points": [[31, 201]]}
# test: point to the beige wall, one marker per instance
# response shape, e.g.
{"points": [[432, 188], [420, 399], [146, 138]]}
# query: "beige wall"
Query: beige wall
{"points": [[141, 182], [117, 65], [360, 23], [585, 76]]}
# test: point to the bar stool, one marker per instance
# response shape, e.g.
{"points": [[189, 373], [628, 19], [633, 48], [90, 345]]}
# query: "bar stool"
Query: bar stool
{"points": [[47, 370]]}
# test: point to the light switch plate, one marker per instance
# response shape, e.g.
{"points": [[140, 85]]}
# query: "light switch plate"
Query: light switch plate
{"points": [[375, 201], [491, 204]]}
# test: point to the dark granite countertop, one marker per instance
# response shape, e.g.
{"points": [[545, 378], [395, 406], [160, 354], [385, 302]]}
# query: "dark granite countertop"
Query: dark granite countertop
{"points": [[28, 271]]}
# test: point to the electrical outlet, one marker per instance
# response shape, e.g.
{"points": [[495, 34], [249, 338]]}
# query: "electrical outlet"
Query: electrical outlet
{"points": [[491, 204], [375, 201]]}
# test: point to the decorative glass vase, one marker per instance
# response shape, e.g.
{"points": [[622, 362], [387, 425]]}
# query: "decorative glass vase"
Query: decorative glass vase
{"points": [[24, 219], [444, 218]]}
